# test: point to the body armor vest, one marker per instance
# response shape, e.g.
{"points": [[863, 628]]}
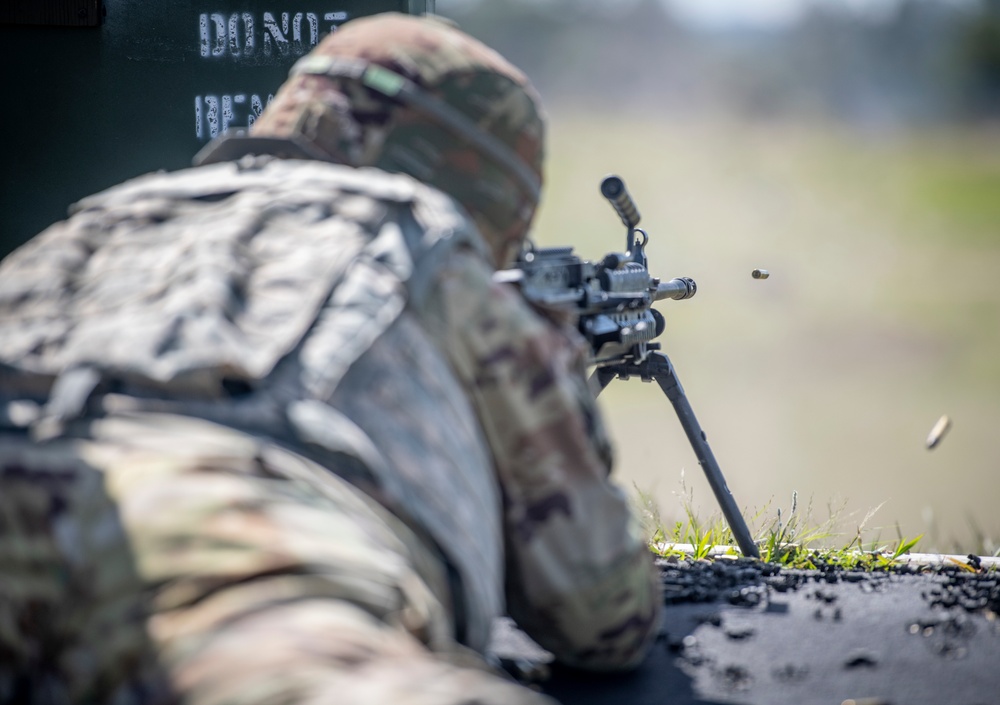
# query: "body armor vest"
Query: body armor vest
{"points": [[279, 297]]}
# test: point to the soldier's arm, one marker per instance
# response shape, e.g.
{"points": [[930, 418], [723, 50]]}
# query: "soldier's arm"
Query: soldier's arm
{"points": [[580, 578]]}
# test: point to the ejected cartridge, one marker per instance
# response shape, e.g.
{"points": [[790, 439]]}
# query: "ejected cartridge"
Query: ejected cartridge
{"points": [[937, 433]]}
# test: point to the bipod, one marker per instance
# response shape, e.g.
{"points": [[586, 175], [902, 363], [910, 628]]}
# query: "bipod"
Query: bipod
{"points": [[657, 366]]}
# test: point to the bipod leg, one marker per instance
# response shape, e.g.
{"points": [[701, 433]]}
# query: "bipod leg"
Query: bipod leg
{"points": [[660, 368], [602, 376]]}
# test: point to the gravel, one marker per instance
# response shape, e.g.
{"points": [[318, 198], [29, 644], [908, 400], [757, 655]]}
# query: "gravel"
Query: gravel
{"points": [[743, 631]]}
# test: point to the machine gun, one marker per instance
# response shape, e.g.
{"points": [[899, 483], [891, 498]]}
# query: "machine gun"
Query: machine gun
{"points": [[613, 300]]}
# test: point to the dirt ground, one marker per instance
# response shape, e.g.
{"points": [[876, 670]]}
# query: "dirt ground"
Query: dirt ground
{"points": [[749, 633]]}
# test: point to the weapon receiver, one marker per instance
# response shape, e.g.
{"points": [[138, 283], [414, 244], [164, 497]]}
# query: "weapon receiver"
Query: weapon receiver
{"points": [[613, 301]]}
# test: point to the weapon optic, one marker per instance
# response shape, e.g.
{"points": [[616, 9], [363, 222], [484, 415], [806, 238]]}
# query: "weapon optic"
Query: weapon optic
{"points": [[613, 301]]}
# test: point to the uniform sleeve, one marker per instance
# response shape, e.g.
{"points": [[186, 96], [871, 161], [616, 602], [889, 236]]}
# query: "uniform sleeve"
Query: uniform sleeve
{"points": [[580, 577]]}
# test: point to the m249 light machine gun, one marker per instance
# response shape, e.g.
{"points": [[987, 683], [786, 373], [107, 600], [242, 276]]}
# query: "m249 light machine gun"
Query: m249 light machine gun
{"points": [[613, 299]]}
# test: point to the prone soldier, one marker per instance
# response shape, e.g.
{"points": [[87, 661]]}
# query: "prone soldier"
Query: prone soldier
{"points": [[270, 432]]}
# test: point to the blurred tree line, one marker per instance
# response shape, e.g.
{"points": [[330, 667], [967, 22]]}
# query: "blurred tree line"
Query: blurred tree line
{"points": [[916, 62], [980, 60]]}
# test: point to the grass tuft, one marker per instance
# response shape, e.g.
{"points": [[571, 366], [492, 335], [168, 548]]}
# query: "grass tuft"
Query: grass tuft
{"points": [[792, 537]]}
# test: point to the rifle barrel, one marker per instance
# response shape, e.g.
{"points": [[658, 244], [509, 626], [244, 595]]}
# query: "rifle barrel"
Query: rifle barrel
{"points": [[677, 289]]}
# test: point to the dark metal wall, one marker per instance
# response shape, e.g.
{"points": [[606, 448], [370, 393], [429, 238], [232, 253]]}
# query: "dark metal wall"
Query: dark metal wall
{"points": [[52, 13], [85, 107]]}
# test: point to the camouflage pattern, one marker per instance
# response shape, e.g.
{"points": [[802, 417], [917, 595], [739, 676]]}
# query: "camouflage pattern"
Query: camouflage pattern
{"points": [[72, 602], [354, 125], [218, 309], [579, 577], [159, 559], [269, 432], [439, 473], [394, 343], [234, 263]]}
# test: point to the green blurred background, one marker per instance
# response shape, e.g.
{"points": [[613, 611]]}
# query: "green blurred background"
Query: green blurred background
{"points": [[853, 150], [851, 147]]}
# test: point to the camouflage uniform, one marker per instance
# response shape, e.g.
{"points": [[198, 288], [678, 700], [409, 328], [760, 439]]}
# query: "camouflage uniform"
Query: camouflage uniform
{"points": [[269, 432]]}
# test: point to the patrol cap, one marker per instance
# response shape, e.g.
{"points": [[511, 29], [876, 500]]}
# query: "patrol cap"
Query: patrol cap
{"points": [[418, 96]]}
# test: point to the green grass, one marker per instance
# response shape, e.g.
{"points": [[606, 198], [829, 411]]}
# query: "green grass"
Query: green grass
{"points": [[793, 539]]}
